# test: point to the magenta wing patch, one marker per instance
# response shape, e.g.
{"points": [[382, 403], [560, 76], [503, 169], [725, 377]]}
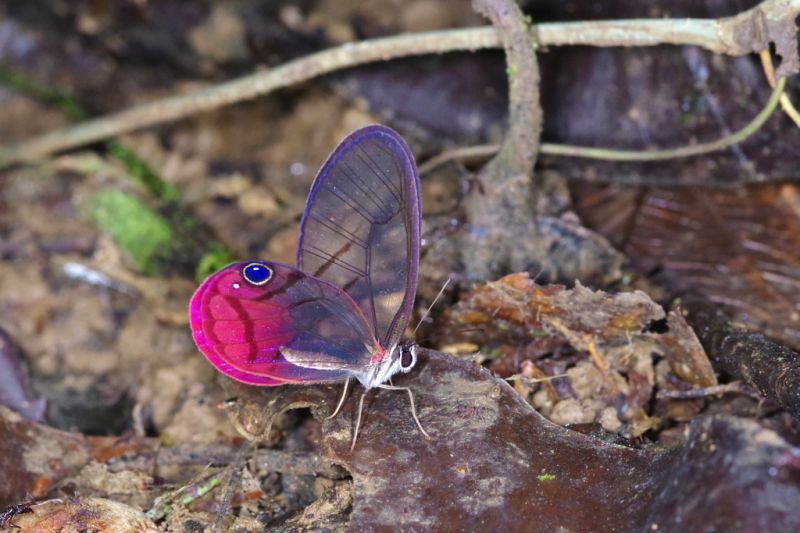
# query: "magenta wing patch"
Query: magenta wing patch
{"points": [[246, 329]]}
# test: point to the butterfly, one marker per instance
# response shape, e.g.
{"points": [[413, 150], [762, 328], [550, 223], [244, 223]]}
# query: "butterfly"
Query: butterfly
{"points": [[342, 311]]}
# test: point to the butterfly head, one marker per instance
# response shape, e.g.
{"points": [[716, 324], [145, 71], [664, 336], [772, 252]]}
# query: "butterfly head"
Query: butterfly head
{"points": [[400, 359]]}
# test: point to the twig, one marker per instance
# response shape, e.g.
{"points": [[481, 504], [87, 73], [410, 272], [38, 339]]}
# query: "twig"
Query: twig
{"points": [[750, 31], [185, 495], [231, 487], [597, 358], [684, 151], [769, 71], [704, 392], [611, 154], [518, 151], [478, 152]]}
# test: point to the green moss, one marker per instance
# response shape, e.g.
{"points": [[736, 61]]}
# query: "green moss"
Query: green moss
{"points": [[68, 105], [136, 166], [144, 234], [546, 477], [143, 173], [148, 237], [201, 490]]}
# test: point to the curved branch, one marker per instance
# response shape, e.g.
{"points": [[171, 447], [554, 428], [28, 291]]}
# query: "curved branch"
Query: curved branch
{"points": [[674, 153], [613, 154], [751, 31]]}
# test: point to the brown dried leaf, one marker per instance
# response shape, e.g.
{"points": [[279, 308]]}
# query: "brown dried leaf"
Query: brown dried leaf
{"points": [[685, 354], [739, 249], [613, 329], [88, 514], [519, 305], [34, 457]]}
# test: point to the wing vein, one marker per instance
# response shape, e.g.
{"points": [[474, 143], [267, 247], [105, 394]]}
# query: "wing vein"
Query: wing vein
{"points": [[359, 184], [329, 258], [352, 205], [382, 177], [368, 277], [340, 230]]}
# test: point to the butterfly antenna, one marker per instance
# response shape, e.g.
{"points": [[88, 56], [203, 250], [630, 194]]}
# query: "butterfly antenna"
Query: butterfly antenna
{"points": [[428, 311], [341, 400], [358, 419]]}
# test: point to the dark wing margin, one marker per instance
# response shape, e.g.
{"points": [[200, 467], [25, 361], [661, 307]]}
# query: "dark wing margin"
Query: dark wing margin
{"points": [[361, 227]]}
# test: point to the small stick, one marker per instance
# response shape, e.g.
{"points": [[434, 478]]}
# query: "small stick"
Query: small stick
{"points": [[703, 392], [186, 494], [769, 71], [230, 488], [598, 360]]}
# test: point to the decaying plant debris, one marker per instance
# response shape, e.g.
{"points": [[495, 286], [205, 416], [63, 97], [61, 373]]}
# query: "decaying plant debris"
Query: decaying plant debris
{"points": [[654, 388], [610, 359]]}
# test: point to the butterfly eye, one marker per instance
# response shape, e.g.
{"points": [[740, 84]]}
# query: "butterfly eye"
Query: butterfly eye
{"points": [[257, 273], [408, 357]]}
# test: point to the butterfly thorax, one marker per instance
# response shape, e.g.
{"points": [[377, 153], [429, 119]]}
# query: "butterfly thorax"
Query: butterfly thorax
{"points": [[378, 356], [401, 358]]}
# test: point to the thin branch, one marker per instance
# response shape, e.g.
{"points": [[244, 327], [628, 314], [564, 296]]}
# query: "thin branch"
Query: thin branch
{"points": [[750, 31], [610, 154], [674, 153], [235, 478], [786, 103], [520, 146], [503, 193], [466, 154], [717, 390]]}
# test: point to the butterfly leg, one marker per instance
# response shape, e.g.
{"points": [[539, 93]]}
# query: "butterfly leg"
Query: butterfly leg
{"points": [[341, 400], [413, 408], [358, 419]]}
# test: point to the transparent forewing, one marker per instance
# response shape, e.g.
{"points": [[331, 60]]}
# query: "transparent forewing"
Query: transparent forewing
{"points": [[293, 328], [361, 227]]}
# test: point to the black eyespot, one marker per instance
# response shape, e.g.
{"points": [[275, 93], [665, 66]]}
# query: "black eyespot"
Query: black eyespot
{"points": [[257, 273], [407, 357]]}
